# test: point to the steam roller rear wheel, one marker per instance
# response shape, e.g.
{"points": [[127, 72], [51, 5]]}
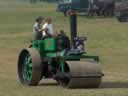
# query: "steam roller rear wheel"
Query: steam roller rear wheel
{"points": [[82, 74], [29, 67]]}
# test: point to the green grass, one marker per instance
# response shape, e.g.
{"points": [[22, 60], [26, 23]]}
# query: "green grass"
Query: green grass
{"points": [[106, 38]]}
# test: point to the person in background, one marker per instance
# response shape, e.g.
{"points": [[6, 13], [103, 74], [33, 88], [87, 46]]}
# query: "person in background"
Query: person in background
{"points": [[48, 28], [37, 30]]}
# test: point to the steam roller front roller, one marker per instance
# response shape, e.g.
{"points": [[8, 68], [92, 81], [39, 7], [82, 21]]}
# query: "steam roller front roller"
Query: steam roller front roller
{"points": [[82, 74], [29, 67]]}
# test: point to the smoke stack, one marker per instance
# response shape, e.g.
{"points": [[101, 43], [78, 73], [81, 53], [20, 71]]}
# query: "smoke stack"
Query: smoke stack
{"points": [[73, 26]]}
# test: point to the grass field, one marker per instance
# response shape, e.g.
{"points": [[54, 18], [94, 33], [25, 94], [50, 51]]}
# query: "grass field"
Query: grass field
{"points": [[106, 38]]}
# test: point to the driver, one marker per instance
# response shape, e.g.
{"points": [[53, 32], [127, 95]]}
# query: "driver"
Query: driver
{"points": [[37, 30]]}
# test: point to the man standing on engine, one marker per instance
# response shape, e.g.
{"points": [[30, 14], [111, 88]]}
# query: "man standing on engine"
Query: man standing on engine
{"points": [[37, 30]]}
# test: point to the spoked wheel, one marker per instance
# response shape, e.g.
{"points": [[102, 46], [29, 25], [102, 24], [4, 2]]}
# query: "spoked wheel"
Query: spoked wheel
{"points": [[29, 67], [82, 74]]}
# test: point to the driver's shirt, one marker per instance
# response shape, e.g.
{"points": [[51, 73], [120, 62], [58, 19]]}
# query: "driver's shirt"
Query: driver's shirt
{"points": [[49, 28]]}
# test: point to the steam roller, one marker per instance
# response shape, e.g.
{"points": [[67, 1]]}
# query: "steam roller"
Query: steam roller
{"points": [[60, 58]]}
